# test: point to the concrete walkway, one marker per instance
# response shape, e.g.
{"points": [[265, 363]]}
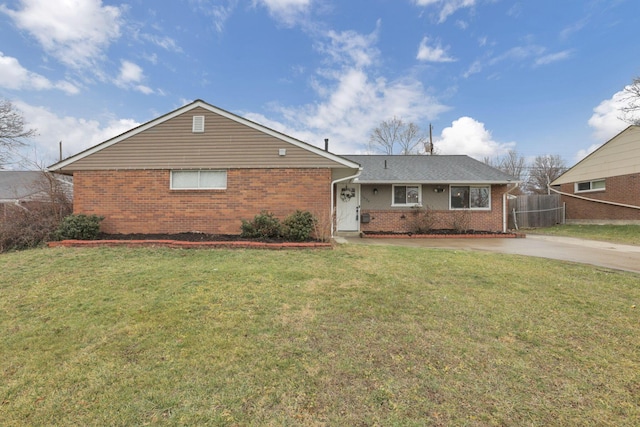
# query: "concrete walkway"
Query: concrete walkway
{"points": [[603, 254]]}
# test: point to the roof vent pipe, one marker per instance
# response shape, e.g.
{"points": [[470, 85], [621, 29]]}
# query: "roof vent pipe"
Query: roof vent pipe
{"points": [[385, 164], [326, 144]]}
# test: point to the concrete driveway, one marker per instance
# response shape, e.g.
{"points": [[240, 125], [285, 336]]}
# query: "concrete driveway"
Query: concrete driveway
{"points": [[609, 255]]}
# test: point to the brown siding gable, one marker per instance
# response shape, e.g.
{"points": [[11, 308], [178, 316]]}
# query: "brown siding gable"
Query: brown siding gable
{"points": [[228, 141]]}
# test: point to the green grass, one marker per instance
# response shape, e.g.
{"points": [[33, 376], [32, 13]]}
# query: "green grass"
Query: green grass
{"points": [[626, 234], [360, 335]]}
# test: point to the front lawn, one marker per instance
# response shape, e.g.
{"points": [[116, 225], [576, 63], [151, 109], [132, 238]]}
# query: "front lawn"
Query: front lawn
{"points": [[360, 335]]}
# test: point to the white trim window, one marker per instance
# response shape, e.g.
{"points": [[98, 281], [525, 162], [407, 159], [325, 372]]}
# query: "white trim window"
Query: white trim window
{"points": [[595, 185], [407, 195], [199, 180], [474, 197]]}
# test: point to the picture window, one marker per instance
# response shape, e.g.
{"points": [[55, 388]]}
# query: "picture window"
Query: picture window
{"points": [[198, 180]]}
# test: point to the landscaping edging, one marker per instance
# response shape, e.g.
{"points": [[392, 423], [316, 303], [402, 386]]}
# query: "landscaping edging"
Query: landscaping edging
{"points": [[445, 236], [188, 245]]}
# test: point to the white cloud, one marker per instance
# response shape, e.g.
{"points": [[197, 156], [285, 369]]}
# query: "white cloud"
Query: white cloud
{"points": [[474, 68], [288, 12], [14, 76], [352, 98], [469, 136], [519, 53], [165, 42], [220, 11], [130, 72], [606, 121], [130, 75], [76, 134], [447, 7], [432, 53], [349, 48], [74, 32], [553, 57], [525, 53]]}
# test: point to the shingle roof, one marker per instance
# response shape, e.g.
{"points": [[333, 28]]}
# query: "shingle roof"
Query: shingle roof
{"points": [[437, 169], [22, 185]]}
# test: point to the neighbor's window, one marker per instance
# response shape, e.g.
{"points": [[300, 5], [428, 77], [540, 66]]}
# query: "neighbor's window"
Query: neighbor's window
{"points": [[407, 195], [198, 180], [597, 184], [470, 197]]}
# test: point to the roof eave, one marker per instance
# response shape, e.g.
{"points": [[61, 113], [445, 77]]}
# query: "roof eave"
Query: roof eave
{"points": [[437, 182]]}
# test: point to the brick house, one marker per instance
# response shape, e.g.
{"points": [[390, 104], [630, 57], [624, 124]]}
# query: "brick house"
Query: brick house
{"points": [[604, 187], [201, 168], [454, 191]]}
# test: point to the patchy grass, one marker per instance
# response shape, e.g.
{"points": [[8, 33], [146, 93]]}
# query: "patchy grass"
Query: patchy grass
{"points": [[360, 335], [626, 234]]}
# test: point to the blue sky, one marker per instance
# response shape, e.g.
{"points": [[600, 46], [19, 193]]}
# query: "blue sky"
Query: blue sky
{"points": [[541, 77]]}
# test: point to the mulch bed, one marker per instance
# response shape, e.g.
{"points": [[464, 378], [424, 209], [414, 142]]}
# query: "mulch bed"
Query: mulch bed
{"points": [[186, 237], [442, 234], [188, 240]]}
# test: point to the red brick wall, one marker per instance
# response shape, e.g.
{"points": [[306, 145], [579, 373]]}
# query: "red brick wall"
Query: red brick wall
{"points": [[620, 189], [141, 201], [392, 220]]}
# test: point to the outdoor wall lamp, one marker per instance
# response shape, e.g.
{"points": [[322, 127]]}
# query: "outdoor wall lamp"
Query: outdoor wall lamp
{"points": [[438, 190], [375, 191]]}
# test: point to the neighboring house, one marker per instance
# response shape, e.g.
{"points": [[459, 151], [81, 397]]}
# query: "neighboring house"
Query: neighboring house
{"points": [[24, 188], [200, 168], [604, 187]]}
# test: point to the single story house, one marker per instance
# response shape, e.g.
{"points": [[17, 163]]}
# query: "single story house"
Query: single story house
{"points": [[201, 168], [454, 191], [604, 187]]}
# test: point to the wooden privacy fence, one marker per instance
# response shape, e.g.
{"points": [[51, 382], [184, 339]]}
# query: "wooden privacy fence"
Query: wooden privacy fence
{"points": [[535, 211]]}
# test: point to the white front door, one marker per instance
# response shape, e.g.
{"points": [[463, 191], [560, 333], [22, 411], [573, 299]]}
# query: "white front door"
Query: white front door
{"points": [[348, 207]]}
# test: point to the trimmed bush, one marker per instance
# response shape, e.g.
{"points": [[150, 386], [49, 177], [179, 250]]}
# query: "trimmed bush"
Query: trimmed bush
{"points": [[263, 226], [299, 226], [79, 227]]}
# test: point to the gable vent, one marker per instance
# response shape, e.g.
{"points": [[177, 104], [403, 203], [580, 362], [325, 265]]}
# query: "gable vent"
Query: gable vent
{"points": [[198, 124]]}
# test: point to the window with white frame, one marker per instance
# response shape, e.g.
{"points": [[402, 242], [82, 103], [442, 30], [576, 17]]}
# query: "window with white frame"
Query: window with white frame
{"points": [[407, 195], [199, 180], [594, 185], [470, 197]]}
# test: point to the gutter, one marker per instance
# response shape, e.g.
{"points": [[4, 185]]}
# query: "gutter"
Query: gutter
{"points": [[605, 202], [333, 183]]}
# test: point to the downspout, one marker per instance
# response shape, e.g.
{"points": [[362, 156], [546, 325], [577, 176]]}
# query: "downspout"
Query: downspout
{"points": [[505, 207], [333, 183], [17, 203]]}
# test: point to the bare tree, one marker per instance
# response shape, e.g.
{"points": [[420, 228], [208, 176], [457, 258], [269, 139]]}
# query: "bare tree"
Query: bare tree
{"points": [[631, 110], [12, 130], [513, 164], [544, 170], [395, 136]]}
